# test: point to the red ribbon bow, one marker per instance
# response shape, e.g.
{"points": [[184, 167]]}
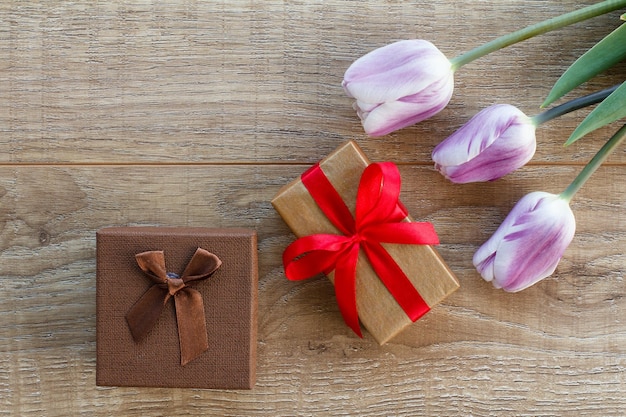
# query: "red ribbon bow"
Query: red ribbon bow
{"points": [[380, 218], [190, 317]]}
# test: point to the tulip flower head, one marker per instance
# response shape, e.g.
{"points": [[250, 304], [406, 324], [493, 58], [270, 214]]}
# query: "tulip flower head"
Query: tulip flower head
{"points": [[493, 143], [399, 85], [529, 244]]}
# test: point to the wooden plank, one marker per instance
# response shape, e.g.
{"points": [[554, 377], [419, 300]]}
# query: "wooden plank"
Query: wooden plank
{"points": [[552, 349], [213, 81]]}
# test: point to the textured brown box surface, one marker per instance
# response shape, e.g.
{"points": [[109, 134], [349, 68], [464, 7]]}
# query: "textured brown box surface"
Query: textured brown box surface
{"points": [[230, 303], [379, 313]]}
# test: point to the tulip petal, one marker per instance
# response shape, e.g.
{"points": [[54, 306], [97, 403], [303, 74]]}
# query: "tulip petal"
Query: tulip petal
{"points": [[535, 245], [501, 158], [391, 116], [485, 265], [394, 71], [477, 134]]}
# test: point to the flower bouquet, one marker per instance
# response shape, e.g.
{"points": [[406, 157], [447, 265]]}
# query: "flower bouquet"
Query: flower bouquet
{"points": [[409, 81]]}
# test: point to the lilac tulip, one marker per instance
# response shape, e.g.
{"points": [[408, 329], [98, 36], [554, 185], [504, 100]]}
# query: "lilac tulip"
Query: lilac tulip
{"points": [[495, 142], [399, 85], [529, 244]]}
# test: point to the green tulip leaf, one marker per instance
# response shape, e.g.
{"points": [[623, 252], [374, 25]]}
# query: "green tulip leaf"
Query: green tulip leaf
{"points": [[603, 55], [609, 110]]}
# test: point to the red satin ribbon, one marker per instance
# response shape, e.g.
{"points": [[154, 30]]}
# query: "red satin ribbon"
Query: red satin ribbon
{"points": [[379, 219]]}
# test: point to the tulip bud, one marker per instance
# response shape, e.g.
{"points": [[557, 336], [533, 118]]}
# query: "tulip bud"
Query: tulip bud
{"points": [[529, 244], [399, 85], [496, 141]]}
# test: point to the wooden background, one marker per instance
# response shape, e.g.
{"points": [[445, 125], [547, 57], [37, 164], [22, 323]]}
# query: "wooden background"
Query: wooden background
{"points": [[194, 113]]}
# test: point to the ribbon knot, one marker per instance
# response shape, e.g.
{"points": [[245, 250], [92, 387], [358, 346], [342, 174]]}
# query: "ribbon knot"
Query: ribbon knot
{"points": [[190, 317], [174, 283], [379, 218]]}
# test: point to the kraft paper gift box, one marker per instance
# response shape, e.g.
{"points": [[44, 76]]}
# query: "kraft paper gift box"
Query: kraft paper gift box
{"points": [[378, 311], [229, 302]]}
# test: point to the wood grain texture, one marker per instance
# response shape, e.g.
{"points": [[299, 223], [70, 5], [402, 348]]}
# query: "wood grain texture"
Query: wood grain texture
{"points": [[195, 113]]}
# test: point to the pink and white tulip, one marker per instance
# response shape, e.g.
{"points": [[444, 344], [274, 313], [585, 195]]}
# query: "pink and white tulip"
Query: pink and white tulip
{"points": [[529, 244], [496, 141], [399, 85]]}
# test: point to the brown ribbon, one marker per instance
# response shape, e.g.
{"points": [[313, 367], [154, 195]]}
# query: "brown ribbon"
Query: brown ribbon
{"points": [[190, 318]]}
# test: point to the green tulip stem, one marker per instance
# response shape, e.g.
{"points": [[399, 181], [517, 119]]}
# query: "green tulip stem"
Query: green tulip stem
{"points": [[537, 29], [575, 104], [594, 164]]}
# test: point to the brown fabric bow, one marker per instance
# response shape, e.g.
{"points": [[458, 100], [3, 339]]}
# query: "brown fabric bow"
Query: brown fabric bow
{"points": [[192, 333]]}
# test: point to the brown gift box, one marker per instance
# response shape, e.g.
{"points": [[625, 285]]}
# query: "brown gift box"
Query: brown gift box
{"points": [[378, 311], [230, 303]]}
